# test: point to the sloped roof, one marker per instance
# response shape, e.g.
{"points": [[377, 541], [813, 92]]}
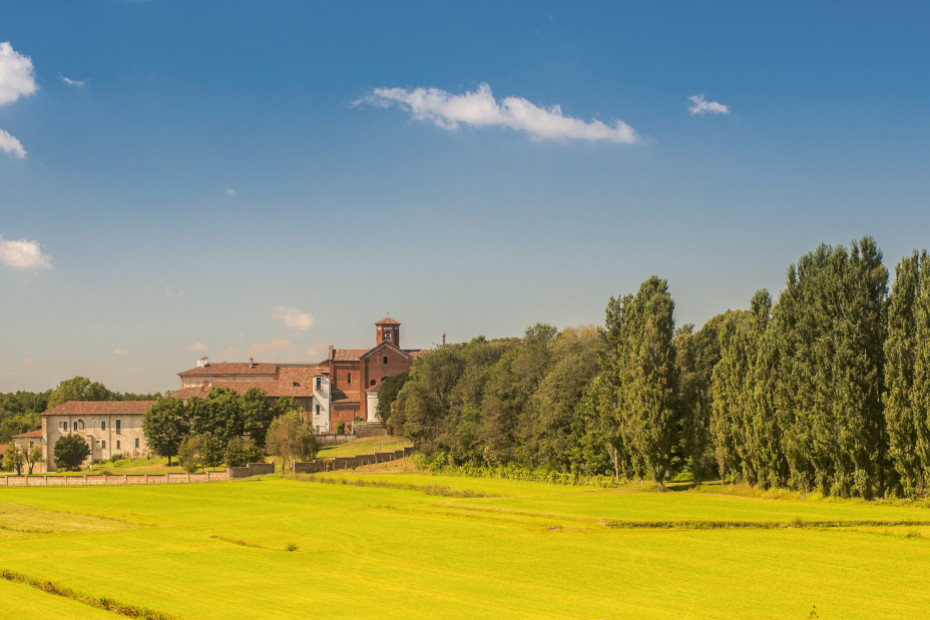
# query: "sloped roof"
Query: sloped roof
{"points": [[387, 321], [102, 407], [348, 355], [29, 435], [385, 345], [230, 368]]}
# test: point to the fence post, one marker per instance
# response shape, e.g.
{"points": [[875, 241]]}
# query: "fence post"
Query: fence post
{"points": [[85, 480], [188, 476], [146, 478]]}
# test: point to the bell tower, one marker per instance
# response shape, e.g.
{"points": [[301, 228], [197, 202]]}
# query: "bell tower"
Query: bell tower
{"points": [[388, 330]]}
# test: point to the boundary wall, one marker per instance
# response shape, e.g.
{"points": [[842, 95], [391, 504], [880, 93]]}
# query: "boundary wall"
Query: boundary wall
{"points": [[92, 480], [348, 462]]}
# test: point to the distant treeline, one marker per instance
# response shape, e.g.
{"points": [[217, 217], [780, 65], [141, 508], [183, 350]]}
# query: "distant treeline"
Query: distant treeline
{"points": [[22, 411], [826, 389]]}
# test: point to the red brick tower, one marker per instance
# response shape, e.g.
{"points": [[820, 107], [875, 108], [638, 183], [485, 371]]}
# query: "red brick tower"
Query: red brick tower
{"points": [[388, 331]]}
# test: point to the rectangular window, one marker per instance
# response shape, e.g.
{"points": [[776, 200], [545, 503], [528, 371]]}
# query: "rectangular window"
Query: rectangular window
{"points": [[349, 378], [103, 444], [103, 426], [117, 444], [117, 427], [74, 426], [318, 410], [319, 382], [137, 443]]}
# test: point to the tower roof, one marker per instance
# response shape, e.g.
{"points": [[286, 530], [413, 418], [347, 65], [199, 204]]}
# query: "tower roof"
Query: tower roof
{"points": [[387, 321]]}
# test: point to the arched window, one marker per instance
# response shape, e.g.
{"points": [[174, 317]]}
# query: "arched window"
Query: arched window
{"points": [[349, 378], [372, 382], [80, 425]]}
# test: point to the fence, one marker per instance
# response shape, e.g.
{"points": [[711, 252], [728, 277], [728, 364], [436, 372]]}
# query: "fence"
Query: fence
{"points": [[90, 480], [349, 462]]}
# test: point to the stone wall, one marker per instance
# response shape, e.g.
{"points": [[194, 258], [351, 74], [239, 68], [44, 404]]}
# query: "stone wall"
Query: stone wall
{"points": [[369, 429], [108, 480]]}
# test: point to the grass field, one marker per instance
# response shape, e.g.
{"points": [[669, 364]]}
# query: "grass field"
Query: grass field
{"points": [[414, 545]]}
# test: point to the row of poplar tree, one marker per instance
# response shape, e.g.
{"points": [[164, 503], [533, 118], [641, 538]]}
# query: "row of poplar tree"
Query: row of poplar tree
{"points": [[827, 388]]}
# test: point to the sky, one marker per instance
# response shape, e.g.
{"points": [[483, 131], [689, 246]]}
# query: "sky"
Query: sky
{"points": [[263, 179]]}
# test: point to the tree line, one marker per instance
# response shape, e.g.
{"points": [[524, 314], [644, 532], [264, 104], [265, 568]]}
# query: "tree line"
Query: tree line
{"points": [[824, 389], [227, 428]]}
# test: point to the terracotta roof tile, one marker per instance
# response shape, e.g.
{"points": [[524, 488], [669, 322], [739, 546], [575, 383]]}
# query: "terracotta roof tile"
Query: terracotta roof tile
{"points": [[230, 368], [30, 434], [348, 355], [102, 407], [387, 321]]}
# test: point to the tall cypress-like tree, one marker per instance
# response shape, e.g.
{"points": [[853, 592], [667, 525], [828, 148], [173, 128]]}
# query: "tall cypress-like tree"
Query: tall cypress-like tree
{"points": [[906, 428], [644, 371], [830, 323]]}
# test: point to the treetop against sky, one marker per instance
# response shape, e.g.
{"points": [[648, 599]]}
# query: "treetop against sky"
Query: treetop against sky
{"points": [[239, 179]]}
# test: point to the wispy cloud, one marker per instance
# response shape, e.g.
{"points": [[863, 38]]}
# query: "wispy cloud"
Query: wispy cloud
{"points": [[699, 105], [16, 74], [231, 192], [279, 348], [10, 144], [70, 82], [120, 352], [479, 108], [23, 255], [197, 346], [293, 318]]}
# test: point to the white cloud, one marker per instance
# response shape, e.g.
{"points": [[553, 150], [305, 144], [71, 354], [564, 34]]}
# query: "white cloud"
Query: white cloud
{"points": [[28, 362], [120, 352], [699, 105], [23, 255], [10, 144], [293, 318], [16, 74], [71, 82], [479, 108], [197, 346], [231, 192]]}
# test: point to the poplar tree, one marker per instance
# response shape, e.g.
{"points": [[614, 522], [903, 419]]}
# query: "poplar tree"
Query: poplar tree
{"points": [[906, 428], [828, 397], [644, 369]]}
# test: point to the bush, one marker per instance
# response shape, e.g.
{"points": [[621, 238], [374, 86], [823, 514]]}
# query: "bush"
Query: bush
{"points": [[70, 452]]}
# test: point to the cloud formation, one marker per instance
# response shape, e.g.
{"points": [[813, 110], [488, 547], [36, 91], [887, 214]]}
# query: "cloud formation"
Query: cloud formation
{"points": [[293, 318], [197, 346], [16, 74], [699, 105], [16, 80], [71, 82], [120, 352], [231, 192], [23, 255], [10, 144], [479, 108]]}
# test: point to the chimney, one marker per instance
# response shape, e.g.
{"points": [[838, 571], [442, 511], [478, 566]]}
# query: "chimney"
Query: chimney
{"points": [[251, 362], [203, 362], [331, 350], [444, 339]]}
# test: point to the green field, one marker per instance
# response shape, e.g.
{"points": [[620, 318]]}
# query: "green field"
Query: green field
{"points": [[414, 545]]}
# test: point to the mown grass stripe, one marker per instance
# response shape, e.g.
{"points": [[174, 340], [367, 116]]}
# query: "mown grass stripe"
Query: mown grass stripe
{"points": [[100, 602], [758, 525]]}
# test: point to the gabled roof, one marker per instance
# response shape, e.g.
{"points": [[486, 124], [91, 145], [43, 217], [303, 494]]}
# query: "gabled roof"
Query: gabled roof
{"points": [[374, 388], [230, 368], [387, 321], [102, 407], [385, 345]]}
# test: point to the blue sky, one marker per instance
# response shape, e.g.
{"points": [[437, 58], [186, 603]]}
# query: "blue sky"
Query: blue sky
{"points": [[180, 179]]}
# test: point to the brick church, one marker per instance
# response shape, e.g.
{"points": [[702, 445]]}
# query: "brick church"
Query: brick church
{"points": [[341, 388]]}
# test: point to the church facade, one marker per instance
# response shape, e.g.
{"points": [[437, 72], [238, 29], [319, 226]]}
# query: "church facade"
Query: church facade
{"points": [[342, 388]]}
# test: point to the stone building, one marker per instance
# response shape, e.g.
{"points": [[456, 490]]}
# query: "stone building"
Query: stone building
{"points": [[341, 388], [25, 442], [108, 427]]}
